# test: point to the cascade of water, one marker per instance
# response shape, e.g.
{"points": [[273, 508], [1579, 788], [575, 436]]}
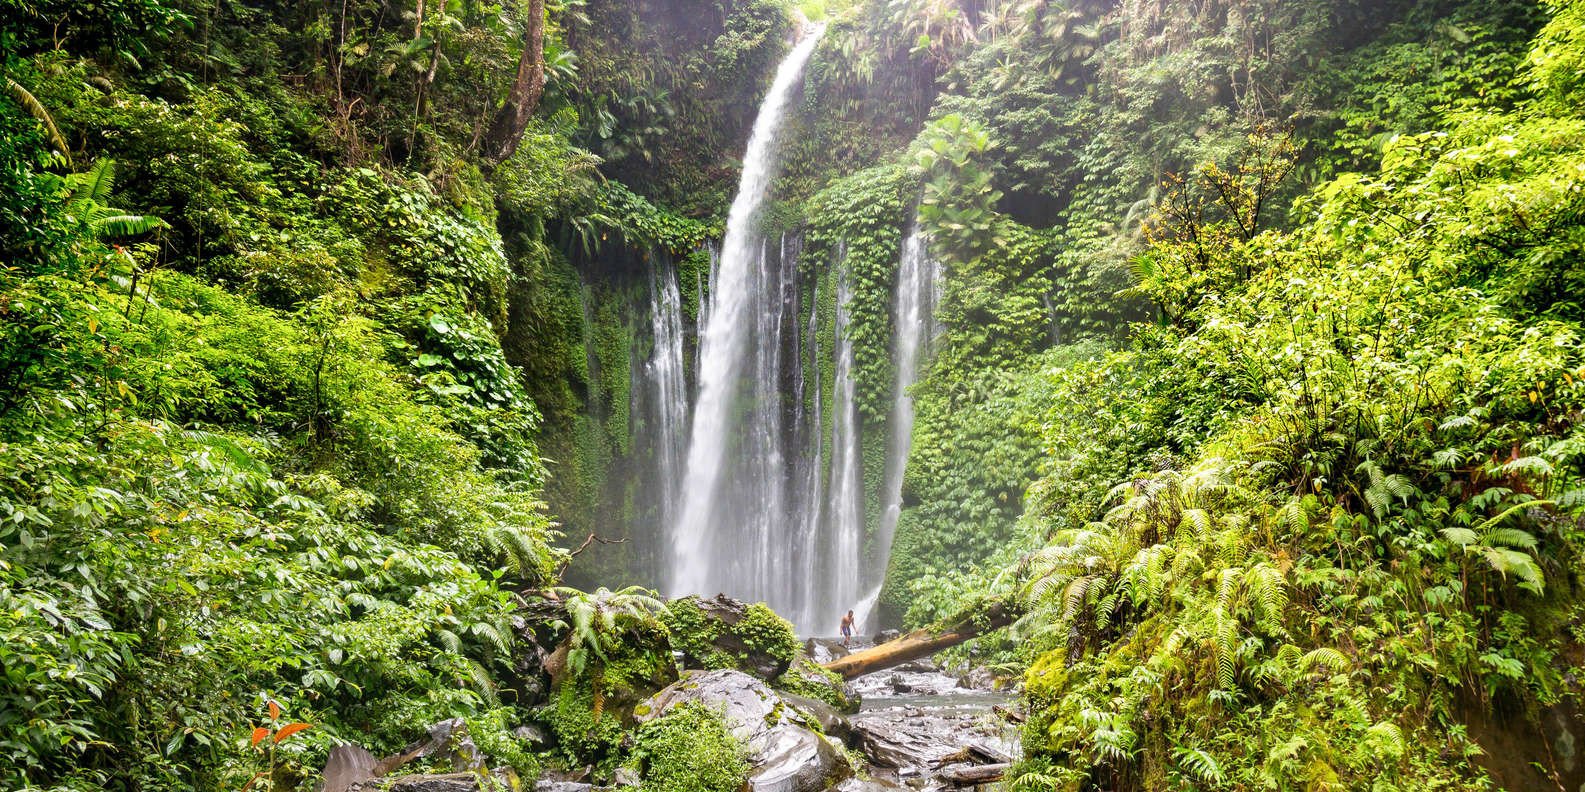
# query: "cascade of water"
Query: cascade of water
{"points": [[913, 314], [669, 382], [844, 524], [807, 546], [727, 532]]}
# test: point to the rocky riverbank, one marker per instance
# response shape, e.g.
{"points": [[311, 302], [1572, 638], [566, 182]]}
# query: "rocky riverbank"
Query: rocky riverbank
{"points": [[714, 688]]}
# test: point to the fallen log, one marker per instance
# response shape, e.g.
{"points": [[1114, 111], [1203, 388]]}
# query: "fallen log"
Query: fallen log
{"points": [[968, 775], [925, 642]]}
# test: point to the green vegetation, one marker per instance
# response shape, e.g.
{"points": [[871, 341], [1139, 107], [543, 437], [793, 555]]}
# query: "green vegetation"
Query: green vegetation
{"points": [[689, 750], [708, 641], [1257, 386]]}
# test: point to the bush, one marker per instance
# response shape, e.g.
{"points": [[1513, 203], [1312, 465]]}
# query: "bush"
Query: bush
{"points": [[689, 750]]}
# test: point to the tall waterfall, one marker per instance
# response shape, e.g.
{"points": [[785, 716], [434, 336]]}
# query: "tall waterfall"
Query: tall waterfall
{"points": [[731, 533], [913, 314]]}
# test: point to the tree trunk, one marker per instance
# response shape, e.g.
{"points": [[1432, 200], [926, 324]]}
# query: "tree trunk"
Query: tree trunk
{"points": [[507, 128], [921, 643], [969, 775]]}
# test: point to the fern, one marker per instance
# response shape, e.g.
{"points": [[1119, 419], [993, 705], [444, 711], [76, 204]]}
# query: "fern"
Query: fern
{"points": [[1326, 658], [1200, 766], [35, 108], [1385, 740], [1269, 589]]}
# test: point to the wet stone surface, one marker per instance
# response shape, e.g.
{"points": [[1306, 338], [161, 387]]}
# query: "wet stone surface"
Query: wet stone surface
{"points": [[919, 724]]}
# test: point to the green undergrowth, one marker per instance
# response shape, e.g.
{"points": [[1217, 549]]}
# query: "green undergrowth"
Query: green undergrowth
{"points": [[689, 750], [1361, 522]]}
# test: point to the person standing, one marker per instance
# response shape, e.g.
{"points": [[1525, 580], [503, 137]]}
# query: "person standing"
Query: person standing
{"points": [[847, 628]]}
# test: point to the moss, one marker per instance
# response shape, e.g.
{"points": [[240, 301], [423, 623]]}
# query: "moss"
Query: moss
{"points": [[808, 679], [712, 644], [689, 749], [692, 632], [583, 735], [761, 630]]}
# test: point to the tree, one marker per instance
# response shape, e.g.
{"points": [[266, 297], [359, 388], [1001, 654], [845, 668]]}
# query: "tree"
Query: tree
{"points": [[500, 143]]}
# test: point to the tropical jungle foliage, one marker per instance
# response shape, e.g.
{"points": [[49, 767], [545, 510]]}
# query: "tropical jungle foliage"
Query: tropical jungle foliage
{"points": [[1255, 387]]}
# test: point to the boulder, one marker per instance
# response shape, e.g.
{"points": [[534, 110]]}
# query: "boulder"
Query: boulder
{"points": [[784, 756], [980, 678], [726, 633], [350, 767], [806, 678], [798, 760], [531, 734], [450, 782], [548, 785], [817, 713], [824, 650], [888, 744]]}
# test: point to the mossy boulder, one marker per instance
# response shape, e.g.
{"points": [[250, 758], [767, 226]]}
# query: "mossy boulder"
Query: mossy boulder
{"points": [[723, 633], [783, 754], [689, 749], [808, 679]]}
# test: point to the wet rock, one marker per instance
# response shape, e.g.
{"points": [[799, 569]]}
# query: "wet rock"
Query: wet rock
{"points": [[785, 756], [886, 744], [980, 678], [546, 785], [887, 635], [969, 775], [873, 784], [531, 734], [798, 760], [824, 650], [820, 714], [625, 777], [349, 767], [750, 707], [450, 782]]}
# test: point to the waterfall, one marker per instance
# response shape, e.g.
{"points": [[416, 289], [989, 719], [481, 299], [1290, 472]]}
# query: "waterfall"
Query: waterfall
{"points": [[729, 534], [667, 378], [913, 314], [843, 542]]}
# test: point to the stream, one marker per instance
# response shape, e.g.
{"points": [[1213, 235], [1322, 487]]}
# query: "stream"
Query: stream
{"points": [[920, 723]]}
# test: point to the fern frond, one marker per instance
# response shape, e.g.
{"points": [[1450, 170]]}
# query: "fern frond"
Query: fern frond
{"points": [[125, 225], [35, 108], [1326, 658], [1387, 741], [1510, 537], [1200, 766]]}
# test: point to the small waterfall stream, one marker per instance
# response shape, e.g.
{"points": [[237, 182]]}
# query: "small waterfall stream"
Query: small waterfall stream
{"points": [[842, 545], [669, 384], [913, 316]]}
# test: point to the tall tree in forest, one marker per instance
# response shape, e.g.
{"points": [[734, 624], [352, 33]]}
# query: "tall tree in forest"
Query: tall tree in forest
{"points": [[501, 141]]}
